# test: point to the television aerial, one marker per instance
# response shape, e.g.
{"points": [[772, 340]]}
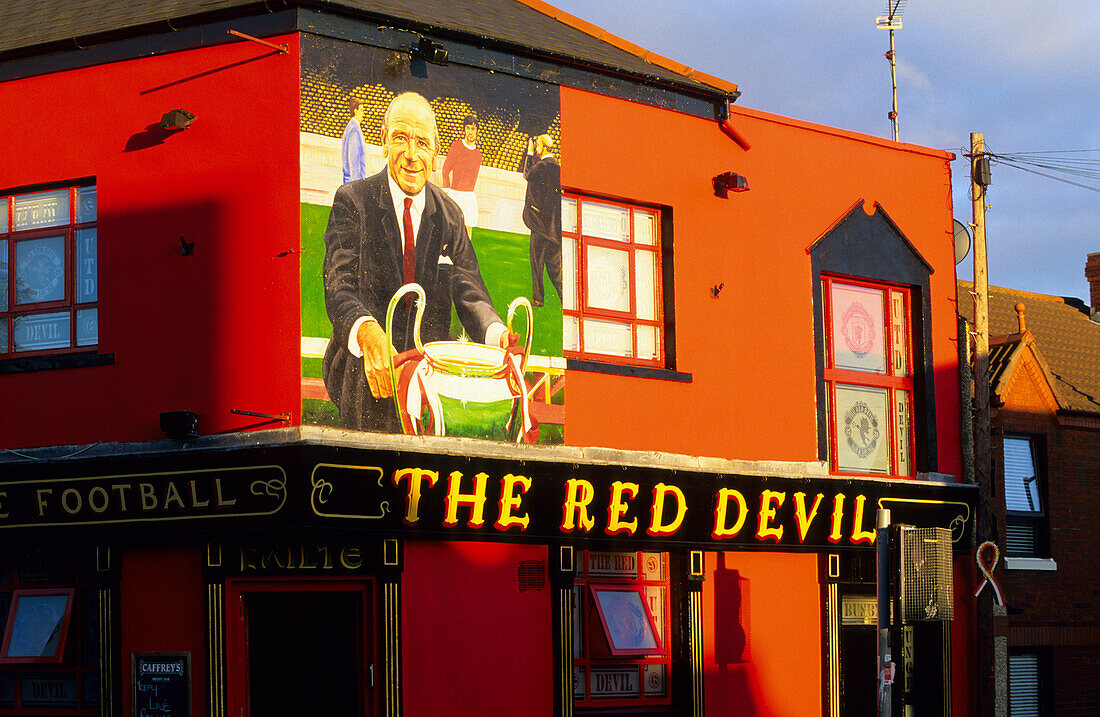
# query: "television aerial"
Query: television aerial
{"points": [[892, 21]]}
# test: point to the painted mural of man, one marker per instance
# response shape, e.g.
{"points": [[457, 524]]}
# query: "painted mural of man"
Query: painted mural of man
{"points": [[385, 231], [542, 213], [353, 148], [461, 168]]}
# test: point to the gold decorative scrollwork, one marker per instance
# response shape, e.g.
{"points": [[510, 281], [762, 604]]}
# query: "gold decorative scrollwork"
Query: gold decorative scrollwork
{"points": [[323, 491], [276, 488], [957, 524]]}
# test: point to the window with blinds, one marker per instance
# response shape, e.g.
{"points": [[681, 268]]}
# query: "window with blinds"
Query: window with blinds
{"points": [[1025, 693], [1024, 491]]}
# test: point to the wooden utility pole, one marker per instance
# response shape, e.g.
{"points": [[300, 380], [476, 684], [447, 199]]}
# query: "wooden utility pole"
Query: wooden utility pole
{"points": [[981, 319], [983, 457]]}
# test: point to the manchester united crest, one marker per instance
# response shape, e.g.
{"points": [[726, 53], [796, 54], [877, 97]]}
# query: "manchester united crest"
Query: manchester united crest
{"points": [[858, 329], [861, 429]]}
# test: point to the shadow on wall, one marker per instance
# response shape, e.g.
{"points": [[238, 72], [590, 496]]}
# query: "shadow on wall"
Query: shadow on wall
{"points": [[151, 136], [735, 677], [731, 636]]}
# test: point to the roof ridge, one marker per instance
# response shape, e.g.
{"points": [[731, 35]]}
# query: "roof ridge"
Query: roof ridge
{"points": [[1023, 292], [638, 51]]}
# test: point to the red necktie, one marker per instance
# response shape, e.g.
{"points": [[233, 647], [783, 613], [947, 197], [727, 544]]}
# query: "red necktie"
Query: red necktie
{"points": [[410, 251]]}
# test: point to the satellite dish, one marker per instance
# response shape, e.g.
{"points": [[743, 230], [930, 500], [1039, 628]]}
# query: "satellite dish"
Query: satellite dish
{"points": [[962, 241]]}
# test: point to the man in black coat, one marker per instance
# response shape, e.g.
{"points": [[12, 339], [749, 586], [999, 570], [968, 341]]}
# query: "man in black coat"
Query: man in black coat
{"points": [[366, 263], [542, 213]]}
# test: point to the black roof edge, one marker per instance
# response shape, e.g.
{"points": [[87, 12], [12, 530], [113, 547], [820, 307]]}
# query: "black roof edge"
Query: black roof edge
{"points": [[169, 25], [687, 86], [719, 98]]}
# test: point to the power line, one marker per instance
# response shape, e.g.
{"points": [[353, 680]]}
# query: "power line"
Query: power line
{"points": [[1051, 176], [1059, 165]]}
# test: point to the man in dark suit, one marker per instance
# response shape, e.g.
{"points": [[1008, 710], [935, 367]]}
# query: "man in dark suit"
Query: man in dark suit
{"points": [[385, 231], [542, 213]]}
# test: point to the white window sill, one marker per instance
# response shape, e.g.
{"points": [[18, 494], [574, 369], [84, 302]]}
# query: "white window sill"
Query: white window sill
{"points": [[1030, 564]]}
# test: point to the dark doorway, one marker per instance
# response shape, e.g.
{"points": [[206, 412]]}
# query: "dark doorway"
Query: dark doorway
{"points": [[925, 667], [304, 653], [858, 670]]}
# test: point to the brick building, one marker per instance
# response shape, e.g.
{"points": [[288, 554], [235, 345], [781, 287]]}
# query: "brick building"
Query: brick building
{"points": [[1045, 392]]}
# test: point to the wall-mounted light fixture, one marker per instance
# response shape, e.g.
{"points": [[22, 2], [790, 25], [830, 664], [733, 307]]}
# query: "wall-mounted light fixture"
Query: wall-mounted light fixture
{"points": [[729, 182], [432, 51], [177, 119], [180, 424]]}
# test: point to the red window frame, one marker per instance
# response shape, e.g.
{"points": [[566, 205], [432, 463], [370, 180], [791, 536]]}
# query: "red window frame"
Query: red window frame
{"points": [[79, 648], [584, 312], [607, 620], [593, 651], [16, 596], [897, 378], [14, 236]]}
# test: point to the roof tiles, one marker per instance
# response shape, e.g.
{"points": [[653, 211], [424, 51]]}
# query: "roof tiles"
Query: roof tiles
{"points": [[1065, 335]]}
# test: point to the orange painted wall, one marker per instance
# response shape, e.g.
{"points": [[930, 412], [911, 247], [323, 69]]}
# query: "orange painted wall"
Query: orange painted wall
{"points": [[219, 330], [750, 351], [768, 662], [210, 332], [471, 641], [161, 609]]}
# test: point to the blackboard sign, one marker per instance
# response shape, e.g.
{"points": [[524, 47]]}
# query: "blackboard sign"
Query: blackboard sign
{"points": [[161, 684]]}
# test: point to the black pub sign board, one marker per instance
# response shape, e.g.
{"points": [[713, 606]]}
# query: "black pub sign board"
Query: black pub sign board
{"points": [[427, 495]]}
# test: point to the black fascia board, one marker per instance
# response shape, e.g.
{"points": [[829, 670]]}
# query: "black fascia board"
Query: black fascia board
{"points": [[162, 26], [159, 38], [501, 57], [481, 42], [341, 22]]}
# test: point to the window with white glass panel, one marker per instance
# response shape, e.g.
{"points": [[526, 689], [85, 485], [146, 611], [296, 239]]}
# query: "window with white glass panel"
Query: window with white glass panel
{"points": [[1026, 529], [48, 271], [611, 274], [868, 376]]}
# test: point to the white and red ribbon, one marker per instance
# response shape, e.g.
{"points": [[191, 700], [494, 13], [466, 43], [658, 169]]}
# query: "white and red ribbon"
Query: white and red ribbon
{"points": [[987, 571]]}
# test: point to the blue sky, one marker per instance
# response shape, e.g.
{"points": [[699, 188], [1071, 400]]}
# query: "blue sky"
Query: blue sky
{"points": [[1025, 73]]}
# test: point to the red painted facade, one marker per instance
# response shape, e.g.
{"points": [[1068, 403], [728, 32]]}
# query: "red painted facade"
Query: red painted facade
{"points": [[803, 179], [210, 332], [219, 330]]}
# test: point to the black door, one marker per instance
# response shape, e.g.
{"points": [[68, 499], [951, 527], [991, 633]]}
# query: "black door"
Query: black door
{"points": [[858, 670], [305, 653]]}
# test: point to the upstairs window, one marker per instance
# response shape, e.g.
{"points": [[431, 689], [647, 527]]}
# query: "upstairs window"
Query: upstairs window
{"points": [[48, 272], [612, 297], [868, 377], [1026, 528]]}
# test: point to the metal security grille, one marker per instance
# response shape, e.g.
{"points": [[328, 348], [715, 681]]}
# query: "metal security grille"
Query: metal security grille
{"points": [[925, 584]]}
